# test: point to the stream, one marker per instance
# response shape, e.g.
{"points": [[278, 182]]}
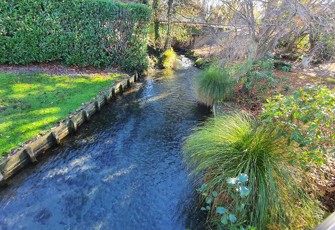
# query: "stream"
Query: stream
{"points": [[122, 170]]}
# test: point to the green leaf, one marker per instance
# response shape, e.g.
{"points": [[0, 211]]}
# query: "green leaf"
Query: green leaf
{"points": [[232, 218], [232, 181], [224, 220], [243, 178], [221, 210], [244, 191], [203, 187], [208, 200], [215, 194], [241, 207]]}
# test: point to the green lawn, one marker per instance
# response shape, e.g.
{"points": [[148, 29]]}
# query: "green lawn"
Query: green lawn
{"points": [[30, 104]]}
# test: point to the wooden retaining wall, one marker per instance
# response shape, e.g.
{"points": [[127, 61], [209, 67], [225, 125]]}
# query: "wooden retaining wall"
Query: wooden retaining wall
{"points": [[32, 149]]}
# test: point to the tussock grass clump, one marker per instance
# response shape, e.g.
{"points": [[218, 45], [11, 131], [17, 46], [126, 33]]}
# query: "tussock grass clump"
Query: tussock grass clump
{"points": [[169, 59], [229, 145], [215, 83]]}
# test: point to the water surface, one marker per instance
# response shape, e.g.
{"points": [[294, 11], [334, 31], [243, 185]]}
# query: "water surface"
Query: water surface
{"points": [[122, 170]]}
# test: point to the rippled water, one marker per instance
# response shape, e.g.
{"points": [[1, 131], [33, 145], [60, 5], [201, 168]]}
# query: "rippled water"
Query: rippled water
{"points": [[122, 170]]}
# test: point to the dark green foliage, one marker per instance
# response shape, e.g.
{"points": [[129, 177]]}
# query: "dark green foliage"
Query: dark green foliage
{"points": [[77, 32], [282, 66], [259, 75]]}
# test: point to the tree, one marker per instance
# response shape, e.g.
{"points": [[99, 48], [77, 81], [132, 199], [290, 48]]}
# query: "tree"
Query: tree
{"points": [[264, 23], [155, 7], [169, 25]]}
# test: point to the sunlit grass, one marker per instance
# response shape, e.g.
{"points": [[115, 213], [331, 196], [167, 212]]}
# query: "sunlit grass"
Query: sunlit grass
{"points": [[30, 104], [232, 144]]}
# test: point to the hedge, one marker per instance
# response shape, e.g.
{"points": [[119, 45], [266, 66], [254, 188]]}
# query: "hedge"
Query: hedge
{"points": [[75, 32]]}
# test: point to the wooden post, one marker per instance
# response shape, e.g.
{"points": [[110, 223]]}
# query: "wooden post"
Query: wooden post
{"points": [[55, 137], [86, 115], [97, 105], [72, 126], [3, 182], [31, 154]]}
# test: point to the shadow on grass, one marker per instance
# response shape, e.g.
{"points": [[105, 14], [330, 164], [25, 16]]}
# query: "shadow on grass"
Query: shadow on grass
{"points": [[30, 104]]}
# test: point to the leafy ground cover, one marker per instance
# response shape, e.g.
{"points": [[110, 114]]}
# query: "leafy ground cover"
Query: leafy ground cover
{"points": [[32, 103]]}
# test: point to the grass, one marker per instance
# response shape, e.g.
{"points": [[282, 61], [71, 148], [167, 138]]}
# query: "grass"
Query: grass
{"points": [[30, 104], [215, 83], [232, 144]]}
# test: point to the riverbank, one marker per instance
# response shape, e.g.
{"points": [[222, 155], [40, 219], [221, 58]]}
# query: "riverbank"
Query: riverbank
{"points": [[287, 83], [33, 103]]}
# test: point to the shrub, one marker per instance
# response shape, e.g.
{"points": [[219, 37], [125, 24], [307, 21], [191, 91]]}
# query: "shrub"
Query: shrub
{"points": [[259, 75], [169, 59], [202, 63], [282, 66], [305, 119], [77, 32], [215, 83], [233, 144]]}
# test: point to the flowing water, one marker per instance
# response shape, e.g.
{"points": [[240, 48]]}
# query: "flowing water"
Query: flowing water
{"points": [[122, 170]]}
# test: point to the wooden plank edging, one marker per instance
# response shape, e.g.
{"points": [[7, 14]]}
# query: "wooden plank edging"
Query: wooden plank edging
{"points": [[328, 223], [32, 149]]}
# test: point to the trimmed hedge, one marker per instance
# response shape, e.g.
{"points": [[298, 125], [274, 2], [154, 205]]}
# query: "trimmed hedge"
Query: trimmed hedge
{"points": [[76, 32]]}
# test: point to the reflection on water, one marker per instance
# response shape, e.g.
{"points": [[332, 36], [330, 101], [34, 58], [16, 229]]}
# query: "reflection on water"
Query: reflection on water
{"points": [[123, 170]]}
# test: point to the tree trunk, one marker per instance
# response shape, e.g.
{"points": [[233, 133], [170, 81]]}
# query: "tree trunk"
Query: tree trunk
{"points": [[155, 5], [169, 26]]}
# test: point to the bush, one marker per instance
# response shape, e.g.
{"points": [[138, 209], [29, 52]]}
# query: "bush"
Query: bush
{"points": [[215, 83], [259, 75], [202, 63], [233, 144], [305, 119], [169, 59], [77, 32], [282, 66]]}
